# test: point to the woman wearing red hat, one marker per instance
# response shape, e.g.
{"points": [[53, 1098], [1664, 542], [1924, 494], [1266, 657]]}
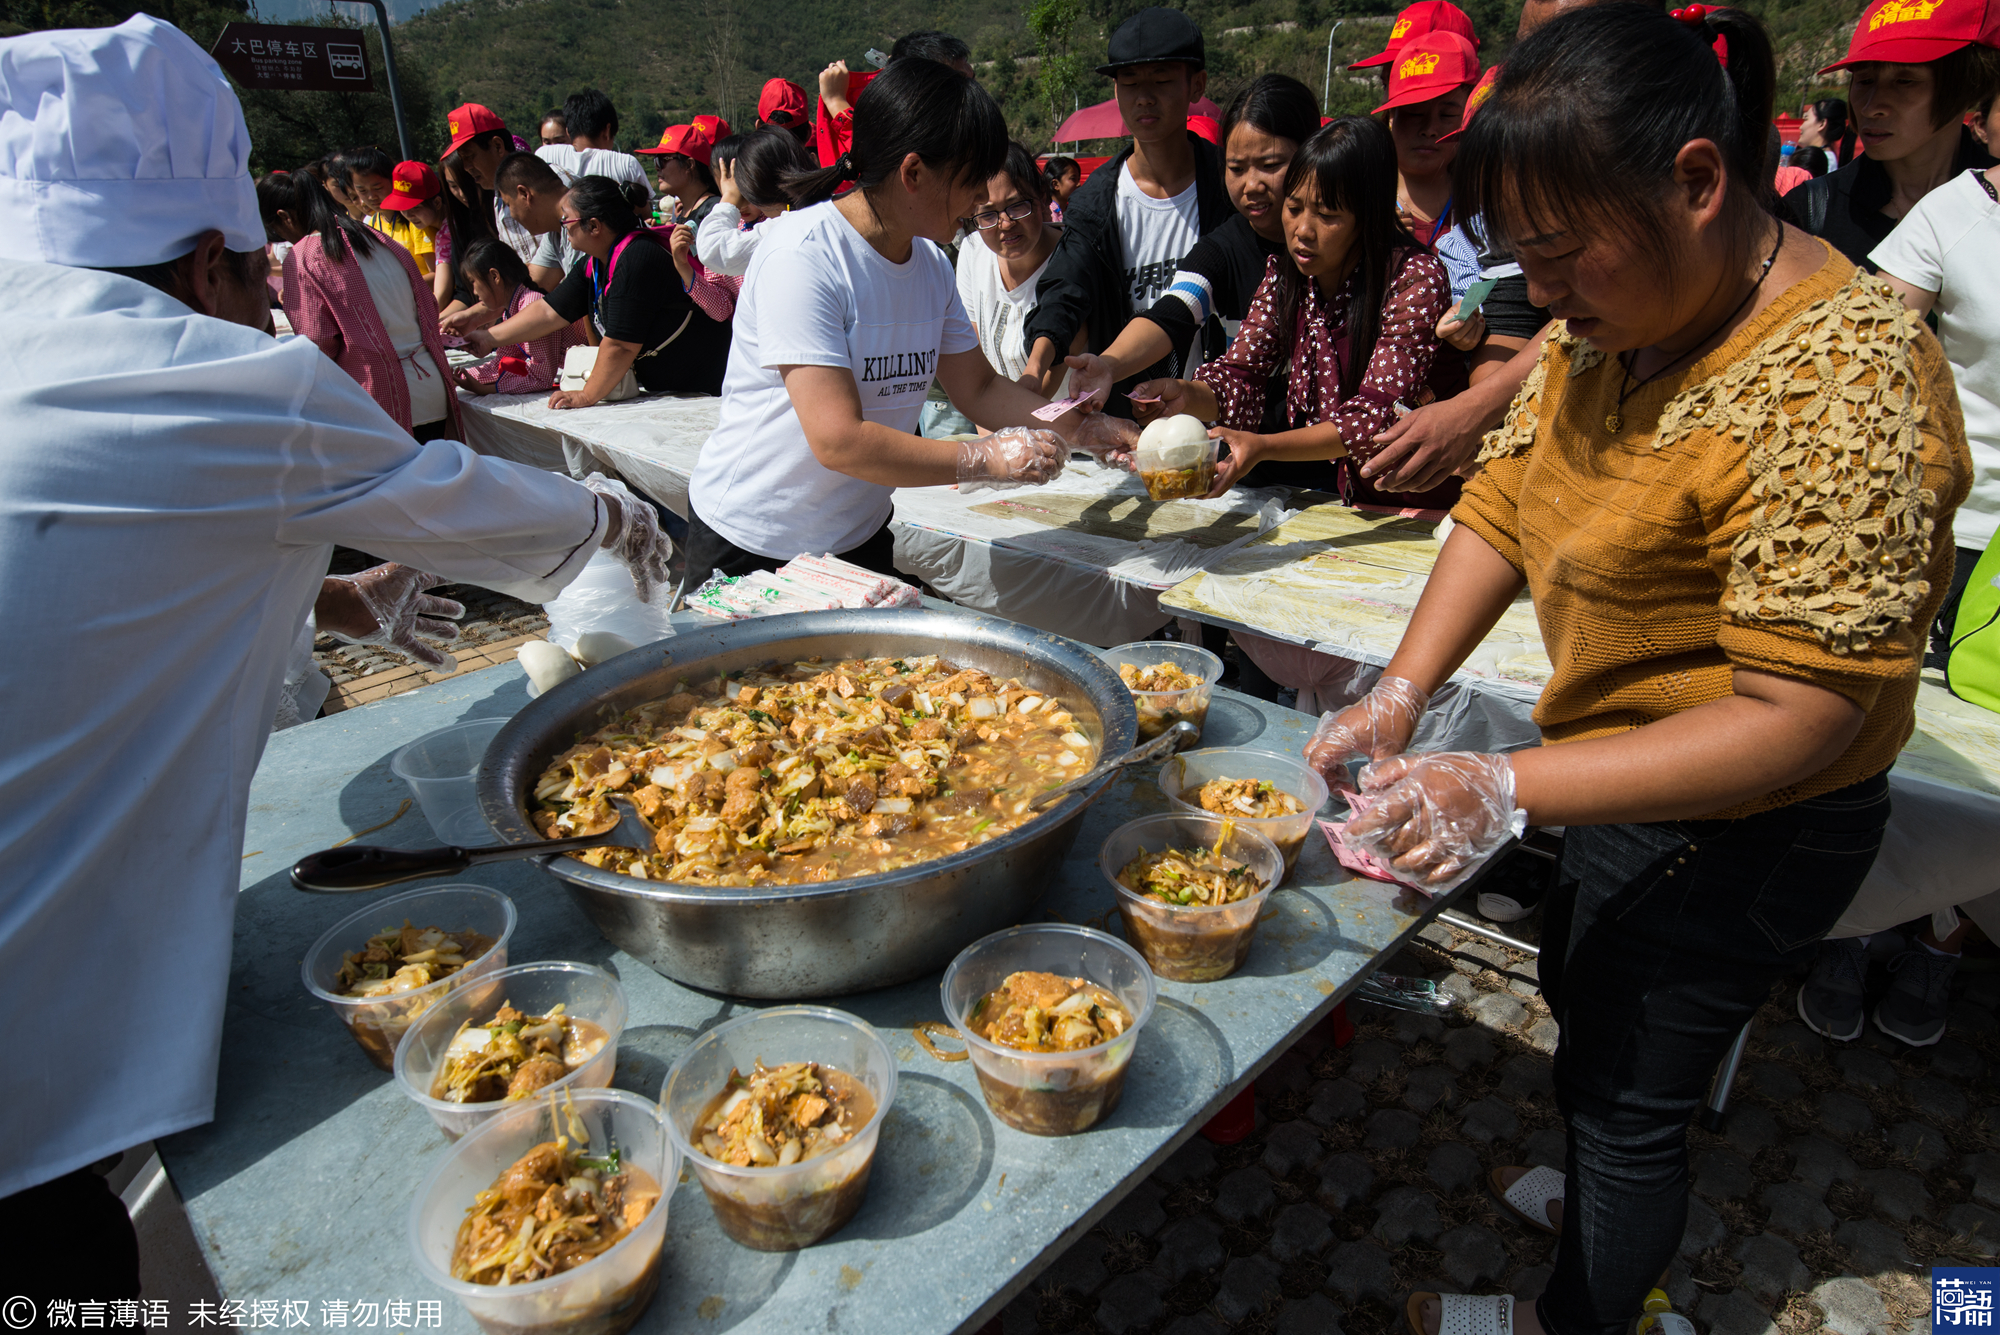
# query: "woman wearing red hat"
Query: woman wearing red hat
{"points": [[1428, 83], [1725, 487], [1914, 69], [684, 152]]}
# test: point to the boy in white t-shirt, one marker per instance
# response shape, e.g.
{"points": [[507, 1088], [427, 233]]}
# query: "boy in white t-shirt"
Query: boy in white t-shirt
{"points": [[1127, 228]]}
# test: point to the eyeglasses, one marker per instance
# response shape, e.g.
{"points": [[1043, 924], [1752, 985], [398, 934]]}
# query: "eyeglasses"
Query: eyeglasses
{"points": [[573, 222], [989, 219]]}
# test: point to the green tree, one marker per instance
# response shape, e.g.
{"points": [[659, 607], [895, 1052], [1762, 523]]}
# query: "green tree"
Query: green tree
{"points": [[1053, 23]]}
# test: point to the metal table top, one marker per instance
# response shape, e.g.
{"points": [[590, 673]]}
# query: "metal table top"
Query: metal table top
{"points": [[300, 1189]]}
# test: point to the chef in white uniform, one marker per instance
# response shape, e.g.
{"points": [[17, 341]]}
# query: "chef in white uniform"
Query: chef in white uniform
{"points": [[172, 482]]}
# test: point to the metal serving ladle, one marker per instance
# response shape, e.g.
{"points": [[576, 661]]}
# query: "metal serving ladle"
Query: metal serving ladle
{"points": [[1180, 735], [339, 871]]}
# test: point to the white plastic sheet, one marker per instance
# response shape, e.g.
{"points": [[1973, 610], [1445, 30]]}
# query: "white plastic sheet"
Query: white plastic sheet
{"points": [[652, 442]]}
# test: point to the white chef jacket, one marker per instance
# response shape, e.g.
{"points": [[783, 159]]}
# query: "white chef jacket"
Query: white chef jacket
{"points": [[171, 487]]}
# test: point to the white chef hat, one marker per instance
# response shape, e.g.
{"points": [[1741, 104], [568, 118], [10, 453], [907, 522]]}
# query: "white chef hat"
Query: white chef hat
{"points": [[119, 146]]}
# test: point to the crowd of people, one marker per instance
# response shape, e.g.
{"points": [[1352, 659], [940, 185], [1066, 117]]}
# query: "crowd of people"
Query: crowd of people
{"points": [[1678, 384]]}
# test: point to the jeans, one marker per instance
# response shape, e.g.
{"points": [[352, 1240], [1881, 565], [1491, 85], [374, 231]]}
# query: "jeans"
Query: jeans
{"points": [[1660, 944]]}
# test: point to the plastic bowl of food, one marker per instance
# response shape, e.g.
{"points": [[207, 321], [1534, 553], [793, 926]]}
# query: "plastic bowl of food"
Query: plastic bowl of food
{"points": [[1044, 1089], [387, 1006], [1175, 458], [1239, 782], [462, 1062], [460, 1227], [1169, 682], [1199, 940], [822, 1080]]}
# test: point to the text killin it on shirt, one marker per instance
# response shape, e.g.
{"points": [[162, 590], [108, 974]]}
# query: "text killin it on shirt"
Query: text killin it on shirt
{"points": [[904, 371]]}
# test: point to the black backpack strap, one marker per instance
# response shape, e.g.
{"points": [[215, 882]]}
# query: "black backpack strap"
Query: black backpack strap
{"points": [[1813, 196]]}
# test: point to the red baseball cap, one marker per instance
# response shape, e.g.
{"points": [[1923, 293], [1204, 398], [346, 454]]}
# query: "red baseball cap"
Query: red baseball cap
{"points": [[467, 121], [1427, 16], [1206, 127], [1430, 66], [1480, 92], [693, 141], [782, 97], [1915, 32], [411, 184], [718, 128]]}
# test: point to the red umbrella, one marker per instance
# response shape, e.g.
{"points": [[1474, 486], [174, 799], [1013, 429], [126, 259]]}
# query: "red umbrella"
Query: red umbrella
{"points": [[1103, 121]]}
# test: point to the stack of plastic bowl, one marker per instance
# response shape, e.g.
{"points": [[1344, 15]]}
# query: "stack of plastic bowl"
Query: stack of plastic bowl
{"points": [[584, 991], [1049, 1093], [1160, 710], [782, 1208], [378, 1023], [603, 1296], [1191, 943], [1182, 776]]}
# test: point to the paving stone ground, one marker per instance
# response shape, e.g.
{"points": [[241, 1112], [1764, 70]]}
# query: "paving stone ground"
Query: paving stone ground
{"points": [[1842, 1174], [493, 627]]}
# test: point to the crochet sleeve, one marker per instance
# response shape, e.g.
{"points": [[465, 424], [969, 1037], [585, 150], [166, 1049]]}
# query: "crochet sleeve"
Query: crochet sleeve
{"points": [[1850, 459], [1402, 358]]}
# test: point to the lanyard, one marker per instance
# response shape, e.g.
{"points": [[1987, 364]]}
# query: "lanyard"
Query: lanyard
{"points": [[611, 271]]}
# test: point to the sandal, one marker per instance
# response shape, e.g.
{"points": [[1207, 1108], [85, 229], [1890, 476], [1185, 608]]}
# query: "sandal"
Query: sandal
{"points": [[1462, 1314], [1529, 1197]]}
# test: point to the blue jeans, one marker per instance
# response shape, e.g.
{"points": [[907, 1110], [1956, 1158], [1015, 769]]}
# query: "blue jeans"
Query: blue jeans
{"points": [[1660, 944]]}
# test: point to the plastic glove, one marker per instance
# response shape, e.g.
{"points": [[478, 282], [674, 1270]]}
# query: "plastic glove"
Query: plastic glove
{"points": [[1375, 727], [1436, 817], [1011, 457], [1110, 440], [404, 616], [632, 534]]}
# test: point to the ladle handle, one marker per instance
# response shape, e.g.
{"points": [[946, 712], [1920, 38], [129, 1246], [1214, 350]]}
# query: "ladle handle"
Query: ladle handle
{"points": [[1173, 739], [339, 871]]}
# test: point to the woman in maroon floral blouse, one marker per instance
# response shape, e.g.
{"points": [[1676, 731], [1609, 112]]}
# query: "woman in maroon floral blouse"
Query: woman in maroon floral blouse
{"points": [[1349, 325]]}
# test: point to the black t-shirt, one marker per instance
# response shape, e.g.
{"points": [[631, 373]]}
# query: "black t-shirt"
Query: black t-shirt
{"points": [[639, 299], [1845, 209]]}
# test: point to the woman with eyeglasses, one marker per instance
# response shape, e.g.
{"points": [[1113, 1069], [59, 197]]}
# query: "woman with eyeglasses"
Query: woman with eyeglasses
{"points": [[632, 292], [996, 281]]}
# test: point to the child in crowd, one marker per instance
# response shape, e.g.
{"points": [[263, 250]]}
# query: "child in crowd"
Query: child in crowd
{"points": [[750, 171], [501, 283], [1063, 176], [1348, 320]]}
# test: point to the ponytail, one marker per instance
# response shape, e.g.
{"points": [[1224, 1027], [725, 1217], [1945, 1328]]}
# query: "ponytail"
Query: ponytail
{"points": [[1589, 114], [1832, 112], [313, 210], [914, 106]]}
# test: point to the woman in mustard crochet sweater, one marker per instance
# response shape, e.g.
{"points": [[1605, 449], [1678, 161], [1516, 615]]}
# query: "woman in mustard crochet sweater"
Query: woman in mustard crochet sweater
{"points": [[1723, 486]]}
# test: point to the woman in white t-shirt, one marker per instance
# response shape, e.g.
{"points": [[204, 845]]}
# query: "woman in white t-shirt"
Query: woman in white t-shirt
{"points": [[996, 280], [848, 311], [1941, 257]]}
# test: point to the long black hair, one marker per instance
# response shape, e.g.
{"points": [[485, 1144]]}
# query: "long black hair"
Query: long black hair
{"points": [[1832, 112], [1588, 116], [914, 106], [490, 253], [1351, 164], [312, 209], [604, 199], [1056, 168], [1278, 105], [764, 158]]}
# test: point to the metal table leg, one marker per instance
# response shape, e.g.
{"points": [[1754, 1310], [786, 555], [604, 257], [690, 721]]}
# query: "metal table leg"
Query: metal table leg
{"points": [[1717, 1106]]}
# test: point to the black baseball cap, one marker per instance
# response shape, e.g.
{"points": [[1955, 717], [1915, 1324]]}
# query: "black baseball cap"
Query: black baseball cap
{"points": [[1153, 36]]}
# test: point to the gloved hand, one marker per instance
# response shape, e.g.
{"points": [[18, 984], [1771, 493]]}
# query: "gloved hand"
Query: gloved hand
{"points": [[632, 534], [388, 605], [1011, 457], [1109, 440], [1375, 727], [1436, 817]]}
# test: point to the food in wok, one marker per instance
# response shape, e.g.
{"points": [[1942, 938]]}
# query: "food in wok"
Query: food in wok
{"points": [[510, 1056], [816, 771]]}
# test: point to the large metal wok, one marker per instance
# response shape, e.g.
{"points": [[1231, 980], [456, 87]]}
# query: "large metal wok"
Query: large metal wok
{"points": [[839, 936]]}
